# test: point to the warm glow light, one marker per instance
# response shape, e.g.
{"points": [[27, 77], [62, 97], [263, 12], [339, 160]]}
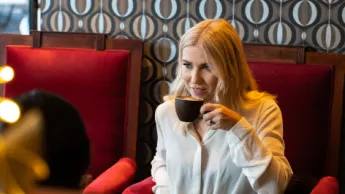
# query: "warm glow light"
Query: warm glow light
{"points": [[9, 111], [6, 74]]}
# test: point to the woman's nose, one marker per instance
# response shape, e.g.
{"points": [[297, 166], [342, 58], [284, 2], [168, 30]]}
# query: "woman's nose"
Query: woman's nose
{"points": [[195, 79]]}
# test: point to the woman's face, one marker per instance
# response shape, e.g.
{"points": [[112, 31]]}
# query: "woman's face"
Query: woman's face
{"points": [[197, 74]]}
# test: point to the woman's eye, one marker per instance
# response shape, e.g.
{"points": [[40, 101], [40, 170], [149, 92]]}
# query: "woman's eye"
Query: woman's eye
{"points": [[206, 67], [187, 65]]}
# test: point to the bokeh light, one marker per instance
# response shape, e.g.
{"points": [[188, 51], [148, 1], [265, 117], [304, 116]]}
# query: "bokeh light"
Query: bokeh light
{"points": [[6, 74], [9, 111]]}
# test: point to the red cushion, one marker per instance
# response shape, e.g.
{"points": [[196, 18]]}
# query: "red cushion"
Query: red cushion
{"points": [[304, 96], [142, 187], [115, 179], [95, 82], [327, 185]]}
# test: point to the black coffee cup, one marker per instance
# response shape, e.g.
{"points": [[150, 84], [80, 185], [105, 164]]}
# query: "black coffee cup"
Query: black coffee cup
{"points": [[188, 108]]}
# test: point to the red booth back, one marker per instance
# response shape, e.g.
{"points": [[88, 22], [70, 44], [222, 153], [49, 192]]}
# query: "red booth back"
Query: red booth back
{"points": [[304, 96], [95, 82]]}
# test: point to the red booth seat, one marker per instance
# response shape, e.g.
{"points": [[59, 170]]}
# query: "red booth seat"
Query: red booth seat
{"points": [[96, 83]]}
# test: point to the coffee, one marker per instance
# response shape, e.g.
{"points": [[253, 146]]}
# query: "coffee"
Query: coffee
{"points": [[190, 98], [188, 108]]}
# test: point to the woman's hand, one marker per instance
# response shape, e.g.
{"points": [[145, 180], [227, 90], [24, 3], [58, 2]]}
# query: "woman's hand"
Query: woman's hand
{"points": [[218, 116]]}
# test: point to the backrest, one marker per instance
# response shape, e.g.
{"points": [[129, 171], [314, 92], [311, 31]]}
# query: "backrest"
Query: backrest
{"points": [[103, 85], [304, 94]]}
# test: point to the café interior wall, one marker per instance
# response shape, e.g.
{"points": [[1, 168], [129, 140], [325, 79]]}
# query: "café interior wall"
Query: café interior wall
{"points": [[160, 23]]}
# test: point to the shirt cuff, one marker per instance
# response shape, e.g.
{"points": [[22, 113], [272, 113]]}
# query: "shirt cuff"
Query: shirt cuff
{"points": [[238, 132]]}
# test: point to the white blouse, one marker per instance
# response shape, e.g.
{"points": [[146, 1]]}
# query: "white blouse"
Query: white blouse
{"points": [[248, 158]]}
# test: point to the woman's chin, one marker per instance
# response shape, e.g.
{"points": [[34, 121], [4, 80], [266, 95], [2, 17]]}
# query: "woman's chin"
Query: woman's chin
{"points": [[203, 96]]}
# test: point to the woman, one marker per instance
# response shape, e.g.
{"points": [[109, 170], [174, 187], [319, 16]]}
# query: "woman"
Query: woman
{"points": [[65, 145], [237, 146]]}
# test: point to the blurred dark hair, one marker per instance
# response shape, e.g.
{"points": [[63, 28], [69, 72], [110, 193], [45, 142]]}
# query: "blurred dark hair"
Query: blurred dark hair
{"points": [[66, 147]]}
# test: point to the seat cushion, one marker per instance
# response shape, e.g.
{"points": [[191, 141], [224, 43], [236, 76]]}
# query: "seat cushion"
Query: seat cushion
{"points": [[327, 185], [304, 96], [95, 82], [142, 187]]}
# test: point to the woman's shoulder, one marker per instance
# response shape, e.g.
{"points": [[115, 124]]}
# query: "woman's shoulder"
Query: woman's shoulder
{"points": [[270, 103], [165, 108], [261, 99], [268, 106], [260, 102], [264, 107]]}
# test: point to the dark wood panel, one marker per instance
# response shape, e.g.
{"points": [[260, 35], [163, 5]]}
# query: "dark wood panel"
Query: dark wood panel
{"points": [[274, 53], [338, 61]]}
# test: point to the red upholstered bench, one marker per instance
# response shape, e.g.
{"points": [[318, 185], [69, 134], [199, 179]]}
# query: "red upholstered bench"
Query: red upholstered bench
{"points": [[94, 82], [305, 98], [102, 84]]}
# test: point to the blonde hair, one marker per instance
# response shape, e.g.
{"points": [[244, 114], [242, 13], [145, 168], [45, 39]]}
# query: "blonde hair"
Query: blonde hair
{"points": [[223, 49]]}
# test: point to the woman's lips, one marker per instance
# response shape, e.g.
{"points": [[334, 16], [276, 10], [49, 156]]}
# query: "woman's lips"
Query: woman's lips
{"points": [[199, 91]]}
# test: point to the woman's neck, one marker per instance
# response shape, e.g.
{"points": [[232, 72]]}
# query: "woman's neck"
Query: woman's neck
{"points": [[200, 128]]}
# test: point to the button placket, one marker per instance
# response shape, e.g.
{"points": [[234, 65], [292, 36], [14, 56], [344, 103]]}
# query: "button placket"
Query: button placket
{"points": [[197, 170]]}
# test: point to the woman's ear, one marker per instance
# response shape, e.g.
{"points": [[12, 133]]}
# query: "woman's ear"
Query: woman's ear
{"points": [[85, 180]]}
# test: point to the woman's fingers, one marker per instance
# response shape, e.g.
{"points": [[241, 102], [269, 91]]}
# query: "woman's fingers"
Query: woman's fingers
{"points": [[214, 126], [208, 107], [207, 116], [215, 123], [210, 114], [212, 119], [218, 117]]}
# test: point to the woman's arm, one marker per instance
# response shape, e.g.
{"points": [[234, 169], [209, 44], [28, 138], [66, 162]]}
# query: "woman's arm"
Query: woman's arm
{"points": [[260, 152], [158, 171]]}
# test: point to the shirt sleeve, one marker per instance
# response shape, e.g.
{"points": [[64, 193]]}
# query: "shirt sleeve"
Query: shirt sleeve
{"points": [[158, 170], [260, 152]]}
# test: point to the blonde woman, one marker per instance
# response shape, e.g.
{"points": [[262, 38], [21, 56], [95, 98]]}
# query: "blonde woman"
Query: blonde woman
{"points": [[237, 147]]}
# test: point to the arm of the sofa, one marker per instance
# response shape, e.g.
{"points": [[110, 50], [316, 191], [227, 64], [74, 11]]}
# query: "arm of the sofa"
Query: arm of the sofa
{"points": [[142, 187], [326, 185], [113, 180]]}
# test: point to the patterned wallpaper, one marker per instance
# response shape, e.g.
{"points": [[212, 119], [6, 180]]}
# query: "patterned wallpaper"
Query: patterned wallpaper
{"points": [[159, 23]]}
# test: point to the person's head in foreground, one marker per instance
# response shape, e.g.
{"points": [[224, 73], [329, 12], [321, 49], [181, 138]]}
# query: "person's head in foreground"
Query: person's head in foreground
{"points": [[236, 145], [65, 145]]}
